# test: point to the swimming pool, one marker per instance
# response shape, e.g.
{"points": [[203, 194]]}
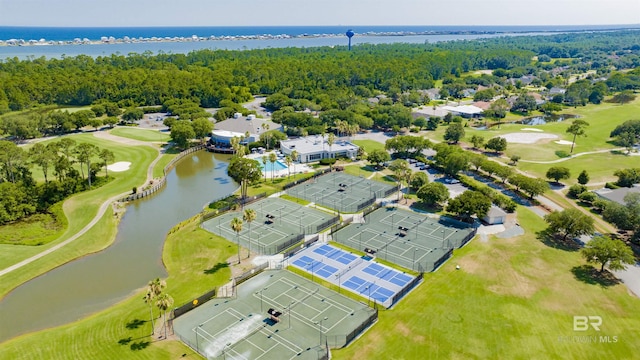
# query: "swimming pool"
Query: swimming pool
{"points": [[272, 166]]}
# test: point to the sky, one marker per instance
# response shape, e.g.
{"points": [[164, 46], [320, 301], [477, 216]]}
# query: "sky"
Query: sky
{"points": [[125, 13]]}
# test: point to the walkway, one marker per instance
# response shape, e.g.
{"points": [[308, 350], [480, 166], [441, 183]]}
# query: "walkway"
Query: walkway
{"points": [[103, 208]]}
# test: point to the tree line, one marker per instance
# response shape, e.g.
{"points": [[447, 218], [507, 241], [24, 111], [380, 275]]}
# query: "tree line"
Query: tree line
{"points": [[21, 196]]}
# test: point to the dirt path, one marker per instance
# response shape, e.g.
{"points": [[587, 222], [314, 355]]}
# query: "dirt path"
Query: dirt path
{"points": [[103, 208]]}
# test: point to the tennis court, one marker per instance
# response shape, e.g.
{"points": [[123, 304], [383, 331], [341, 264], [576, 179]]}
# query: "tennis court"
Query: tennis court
{"points": [[279, 224], [408, 239], [369, 279], [342, 192], [276, 315]]}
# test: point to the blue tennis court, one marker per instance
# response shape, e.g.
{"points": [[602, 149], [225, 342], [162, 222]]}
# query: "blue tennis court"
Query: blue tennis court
{"points": [[315, 266], [335, 254], [369, 289], [366, 278]]}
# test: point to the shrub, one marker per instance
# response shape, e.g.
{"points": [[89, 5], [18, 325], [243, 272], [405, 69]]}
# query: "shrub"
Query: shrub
{"points": [[588, 197], [612, 186], [576, 190], [599, 204], [328, 161], [562, 154]]}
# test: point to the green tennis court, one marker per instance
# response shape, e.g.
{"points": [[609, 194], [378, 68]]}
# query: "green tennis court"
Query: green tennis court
{"points": [[275, 315], [341, 192], [408, 239], [279, 224]]}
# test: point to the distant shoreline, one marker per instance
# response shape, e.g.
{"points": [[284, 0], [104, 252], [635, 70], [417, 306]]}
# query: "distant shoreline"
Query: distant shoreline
{"points": [[195, 38]]}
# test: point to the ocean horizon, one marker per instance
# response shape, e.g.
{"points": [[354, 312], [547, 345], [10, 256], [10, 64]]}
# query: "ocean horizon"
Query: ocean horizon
{"points": [[96, 33]]}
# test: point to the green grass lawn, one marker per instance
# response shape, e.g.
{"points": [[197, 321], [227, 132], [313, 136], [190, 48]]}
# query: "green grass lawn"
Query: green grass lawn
{"points": [[600, 167], [602, 120], [193, 258], [37, 229], [79, 210], [369, 145], [158, 169], [512, 299], [141, 134]]}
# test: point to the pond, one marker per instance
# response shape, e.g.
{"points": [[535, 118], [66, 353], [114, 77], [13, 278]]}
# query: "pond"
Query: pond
{"points": [[98, 281], [543, 119]]}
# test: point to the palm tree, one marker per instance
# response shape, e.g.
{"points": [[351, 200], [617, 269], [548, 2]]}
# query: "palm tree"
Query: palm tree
{"points": [[265, 127], [294, 157], [156, 286], [148, 299], [272, 159], [264, 168], [249, 216], [154, 289], [288, 161], [164, 303], [236, 225], [330, 140]]}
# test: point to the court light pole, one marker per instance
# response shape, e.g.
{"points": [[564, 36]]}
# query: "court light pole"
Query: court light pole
{"points": [[224, 354], [197, 345], [289, 311], [261, 298], [413, 265], [320, 329]]}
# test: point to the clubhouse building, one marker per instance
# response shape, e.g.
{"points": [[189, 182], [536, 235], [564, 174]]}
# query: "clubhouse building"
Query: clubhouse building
{"points": [[240, 126], [314, 148]]}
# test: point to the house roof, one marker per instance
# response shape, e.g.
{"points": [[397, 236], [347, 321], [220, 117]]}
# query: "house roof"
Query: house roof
{"points": [[242, 125], [495, 211], [313, 144], [617, 195], [226, 134], [484, 105], [464, 109]]}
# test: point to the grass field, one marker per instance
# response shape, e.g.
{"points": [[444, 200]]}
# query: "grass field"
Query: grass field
{"points": [[192, 257], [37, 229], [593, 164], [369, 145], [602, 119], [141, 134], [512, 299], [79, 210]]}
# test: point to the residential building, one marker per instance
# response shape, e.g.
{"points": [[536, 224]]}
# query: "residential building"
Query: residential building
{"points": [[314, 148]]}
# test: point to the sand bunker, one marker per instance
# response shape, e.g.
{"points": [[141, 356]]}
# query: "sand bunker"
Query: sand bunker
{"points": [[527, 138], [119, 166], [563, 142], [531, 129]]}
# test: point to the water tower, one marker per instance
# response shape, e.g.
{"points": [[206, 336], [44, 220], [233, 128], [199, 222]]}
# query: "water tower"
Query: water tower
{"points": [[350, 34]]}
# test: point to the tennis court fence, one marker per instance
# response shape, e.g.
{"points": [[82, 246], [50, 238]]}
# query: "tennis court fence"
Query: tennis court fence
{"points": [[335, 228], [339, 341], [233, 205], [249, 274], [366, 204], [192, 304], [278, 248], [314, 229], [303, 246], [407, 288]]}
